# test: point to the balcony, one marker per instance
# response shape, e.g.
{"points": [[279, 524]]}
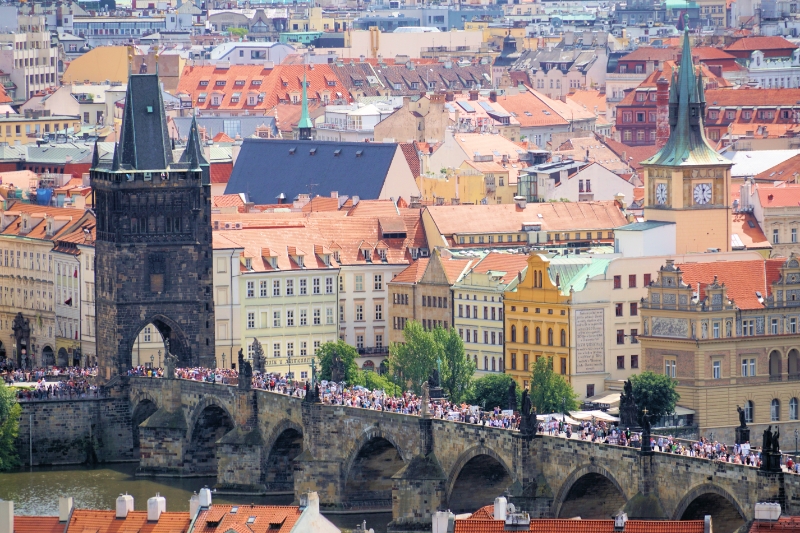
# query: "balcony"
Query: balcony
{"points": [[794, 377], [374, 350]]}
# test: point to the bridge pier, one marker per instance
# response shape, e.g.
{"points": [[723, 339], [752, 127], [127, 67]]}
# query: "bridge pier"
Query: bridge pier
{"points": [[162, 436], [530, 490], [240, 451]]}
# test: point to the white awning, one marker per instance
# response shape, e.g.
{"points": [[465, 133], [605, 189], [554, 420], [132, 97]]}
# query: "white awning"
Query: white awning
{"points": [[607, 399], [683, 411]]}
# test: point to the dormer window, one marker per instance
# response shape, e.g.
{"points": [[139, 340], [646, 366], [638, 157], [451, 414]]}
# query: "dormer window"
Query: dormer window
{"points": [[382, 253], [299, 260], [336, 256], [248, 263], [365, 253], [273, 262], [220, 83]]}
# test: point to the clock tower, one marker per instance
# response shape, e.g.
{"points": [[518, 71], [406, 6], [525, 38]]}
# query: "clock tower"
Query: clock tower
{"points": [[687, 182]]}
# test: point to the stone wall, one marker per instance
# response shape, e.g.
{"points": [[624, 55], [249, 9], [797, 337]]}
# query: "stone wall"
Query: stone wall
{"points": [[76, 431]]}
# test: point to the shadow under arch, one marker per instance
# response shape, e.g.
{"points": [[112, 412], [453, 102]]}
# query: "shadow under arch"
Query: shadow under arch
{"points": [[592, 481], [487, 478]]}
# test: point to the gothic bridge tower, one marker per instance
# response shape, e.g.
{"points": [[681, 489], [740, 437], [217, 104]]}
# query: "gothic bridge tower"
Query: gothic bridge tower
{"points": [[153, 249]]}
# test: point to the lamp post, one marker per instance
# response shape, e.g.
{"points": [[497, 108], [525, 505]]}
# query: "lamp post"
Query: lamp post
{"points": [[151, 364], [223, 359], [795, 445], [159, 359], [289, 377]]}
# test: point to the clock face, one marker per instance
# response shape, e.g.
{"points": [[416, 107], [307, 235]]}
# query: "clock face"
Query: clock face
{"points": [[661, 193], [702, 193]]}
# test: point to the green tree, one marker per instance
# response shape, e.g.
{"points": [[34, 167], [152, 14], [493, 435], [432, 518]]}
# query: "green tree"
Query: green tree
{"points": [[492, 390], [550, 392], [456, 369], [413, 361], [654, 392], [373, 381], [347, 354], [10, 412], [238, 32]]}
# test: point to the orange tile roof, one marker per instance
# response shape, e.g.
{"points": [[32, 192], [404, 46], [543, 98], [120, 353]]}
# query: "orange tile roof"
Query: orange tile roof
{"points": [[106, 522], [649, 53], [203, 79], [38, 214], [706, 53], [507, 218], [273, 518], [633, 155], [760, 43], [752, 97], [741, 278], [480, 525], [590, 100], [413, 273], [412, 156], [454, 268], [511, 264], [221, 172], [287, 79], [531, 109], [4, 98], [784, 195], [749, 232], [784, 523], [227, 200], [38, 524], [222, 137], [321, 203], [785, 171]]}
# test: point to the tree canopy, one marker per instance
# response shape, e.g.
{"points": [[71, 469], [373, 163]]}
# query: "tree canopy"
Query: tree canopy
{"points": [[10, 412], [654, 392], [550, 392], [423, 351], [491, 391], [347, 354]]}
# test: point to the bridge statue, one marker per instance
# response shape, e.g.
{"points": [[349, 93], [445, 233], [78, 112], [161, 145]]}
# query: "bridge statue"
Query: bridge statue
{"points": [[627, 406], [170, 361], [512, 396], [742, 421], [646, 447], [742, 432], [245, 372], [525, 425]]}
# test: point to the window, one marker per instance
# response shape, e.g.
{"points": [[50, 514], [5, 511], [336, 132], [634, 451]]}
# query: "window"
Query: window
{"points": [[646, 280], [303, 286], [620, 336], [538, 334], [359, 312], [794, 234], [276, 319], [276, 287], [617, 282], [378, 312], [632, 281], [634, 361], [563, 337], [525, 361], [263, 288], [634, 309], [290, 317], [634, 336], [590, 390], [315, 285], [620, 362], [549, 336], [716, 330], [716, 369], [748, 367], [251, 320], [341, 283], [793, 325], [513, 361], [775, 239], [670, 368], [378, 282], [303, 317], [147, 334], [251, 289], [748, 328], [513, 332], [793, 409], [775, 410], [617, 309], [328, 285], [289, 287], [525, 335], [748, 411], [329, 315], [773, 328], [317, 317]]}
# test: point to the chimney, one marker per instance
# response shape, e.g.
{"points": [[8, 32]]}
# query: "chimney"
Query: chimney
{"points": [[155, 506], [124, 505], [449, 96], [500, 508], [194, 506], [707, 524], [356, 199], [205, 497], [65, 505], [662, 112], [520, 201], [473, 95], [492, 96], [650, 66], [6, 516], [619, 521], [620, 199]]}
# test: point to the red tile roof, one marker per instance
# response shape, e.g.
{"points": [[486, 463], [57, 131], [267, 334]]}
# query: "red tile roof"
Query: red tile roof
{"points": [[707, 53], [4, 98], [511, 264], [412, 156], [633, 155], [752, 97], [785, 171], [220, 172], [649, 53], [273, 518], [746, 227], [413, 273], [531, 109], [83, 520], [741, 278], [38, 524], [760, 43], [222, 137], [784, 523], [227, 200], [472, 525], [784, 195]]}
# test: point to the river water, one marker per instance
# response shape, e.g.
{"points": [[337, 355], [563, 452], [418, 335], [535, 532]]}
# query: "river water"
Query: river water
{"points": [[36, 492]]}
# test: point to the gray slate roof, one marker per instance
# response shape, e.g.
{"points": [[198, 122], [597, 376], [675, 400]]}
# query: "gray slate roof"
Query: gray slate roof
{"points": [[265, 168]]}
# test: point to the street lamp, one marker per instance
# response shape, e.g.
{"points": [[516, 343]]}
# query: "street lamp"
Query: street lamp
{"points": [[223, 359], [151, 363], [289, 377], [795, 444], [159, 359]]}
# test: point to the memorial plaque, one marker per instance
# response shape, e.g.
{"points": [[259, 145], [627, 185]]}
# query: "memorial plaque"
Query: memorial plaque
{"points": [[589, 341]]}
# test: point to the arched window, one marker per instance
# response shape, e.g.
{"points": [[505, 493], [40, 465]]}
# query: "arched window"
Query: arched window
{"points": [[774, 363], [538, 336], [475, 357], [563, 337], [493, 365], [486, 362], [513, 333], [749, 412], [793, 409], [501, 364], [775, 410], [549, 336], [525, 335]]}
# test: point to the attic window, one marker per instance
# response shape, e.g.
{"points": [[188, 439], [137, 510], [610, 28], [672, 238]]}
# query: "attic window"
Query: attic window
{"points": [[292, 151], [251, 520], [336, 153], [331, 83], [359, 153], [239, 82], [220, 83], [203, 83], [149, 109], [248, 263], [235, 509], [313, 151], [256, 82], [751, 224]]}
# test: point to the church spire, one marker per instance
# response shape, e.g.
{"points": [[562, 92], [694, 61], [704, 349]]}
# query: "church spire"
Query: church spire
{"points": [[687, 144], [193, 153], [304, 126], [95, 156]]}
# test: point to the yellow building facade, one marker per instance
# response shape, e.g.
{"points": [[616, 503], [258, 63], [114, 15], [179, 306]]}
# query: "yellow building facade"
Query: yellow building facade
{"points": [[15, 128], [536, 323]]}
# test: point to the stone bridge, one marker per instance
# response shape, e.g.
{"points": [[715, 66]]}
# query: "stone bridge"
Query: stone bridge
{"points": [[260, 442]]}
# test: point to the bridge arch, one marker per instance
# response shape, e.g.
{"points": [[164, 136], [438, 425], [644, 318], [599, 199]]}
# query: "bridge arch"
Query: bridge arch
{"points": [[284, 443], [487, 470], [589, 491], [727, 514], [143, 407], [210, 420], [370, 465]]}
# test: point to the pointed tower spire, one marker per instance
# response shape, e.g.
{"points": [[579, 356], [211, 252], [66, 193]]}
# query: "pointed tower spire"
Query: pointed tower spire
{"points": [[304, 126], [95, 156], [115, 160], [193, 154]]}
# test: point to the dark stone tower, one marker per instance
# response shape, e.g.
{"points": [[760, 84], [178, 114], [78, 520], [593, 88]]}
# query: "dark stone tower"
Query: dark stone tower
{"points": [[153, 248]]}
